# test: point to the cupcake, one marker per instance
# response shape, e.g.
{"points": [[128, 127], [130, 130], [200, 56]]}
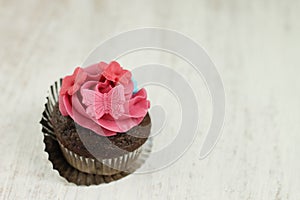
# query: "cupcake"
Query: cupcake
{"points": [[101, 119]]}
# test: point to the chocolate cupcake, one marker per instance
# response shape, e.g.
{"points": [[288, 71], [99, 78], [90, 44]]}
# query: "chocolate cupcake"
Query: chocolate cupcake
{"points": [[101, 119]]}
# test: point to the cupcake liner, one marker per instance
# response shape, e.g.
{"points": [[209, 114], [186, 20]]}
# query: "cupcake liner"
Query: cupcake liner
{"points": [[103, 167], [81, 170]]}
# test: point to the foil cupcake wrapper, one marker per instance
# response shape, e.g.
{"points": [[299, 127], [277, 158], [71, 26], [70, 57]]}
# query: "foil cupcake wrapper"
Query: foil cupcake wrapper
{"points": [[102, 167], [80, 170]]}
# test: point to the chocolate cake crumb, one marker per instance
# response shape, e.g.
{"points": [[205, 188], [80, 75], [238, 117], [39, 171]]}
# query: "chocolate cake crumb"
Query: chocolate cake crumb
{"points": [[67, 133]]}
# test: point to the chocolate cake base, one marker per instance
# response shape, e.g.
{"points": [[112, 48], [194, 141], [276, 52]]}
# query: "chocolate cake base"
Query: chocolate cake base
{"points": [[76, 138]]}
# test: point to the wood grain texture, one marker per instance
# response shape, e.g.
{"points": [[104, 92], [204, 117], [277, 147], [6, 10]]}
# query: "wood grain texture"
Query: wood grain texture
{"points": [[255, 46]]}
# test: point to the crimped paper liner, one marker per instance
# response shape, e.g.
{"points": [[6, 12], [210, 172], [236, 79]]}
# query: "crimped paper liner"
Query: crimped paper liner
{"points": [[62, 165], [103, 167]]}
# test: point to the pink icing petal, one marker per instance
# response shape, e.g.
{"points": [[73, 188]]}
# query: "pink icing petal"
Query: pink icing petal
{"points": [[66, 84], [125, 78], [68, 104], [105, 86], [73, 89], [62, 108], [114, 72], [120, 125], [78, 106], [139, 104], [71, 84], [96, 70]]}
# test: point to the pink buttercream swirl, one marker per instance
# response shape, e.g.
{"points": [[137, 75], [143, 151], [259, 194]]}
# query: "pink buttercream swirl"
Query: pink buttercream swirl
{"points": [[100, 98]]}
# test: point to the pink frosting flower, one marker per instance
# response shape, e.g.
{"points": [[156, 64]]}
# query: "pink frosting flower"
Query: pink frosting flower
{"points": [[115, 73], [100, 97]]}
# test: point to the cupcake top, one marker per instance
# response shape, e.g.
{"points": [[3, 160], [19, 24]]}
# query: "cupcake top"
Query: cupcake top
{"points": [[103, 98]]}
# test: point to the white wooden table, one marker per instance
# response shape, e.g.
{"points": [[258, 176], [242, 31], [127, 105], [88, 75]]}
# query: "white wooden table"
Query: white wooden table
{"points": [[255, 46]]}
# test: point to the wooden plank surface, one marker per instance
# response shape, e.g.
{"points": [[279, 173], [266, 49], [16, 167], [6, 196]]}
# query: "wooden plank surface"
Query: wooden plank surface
{"points": [[255, 46]]}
